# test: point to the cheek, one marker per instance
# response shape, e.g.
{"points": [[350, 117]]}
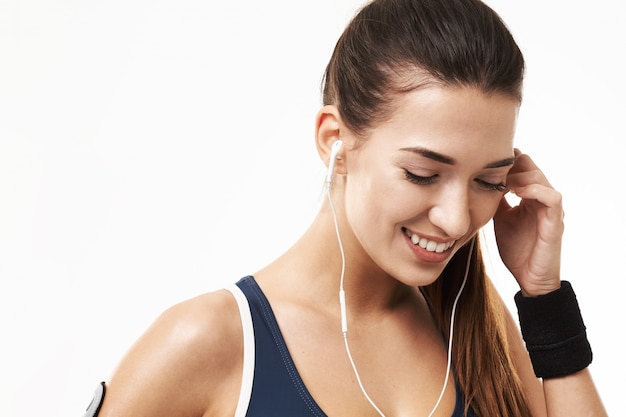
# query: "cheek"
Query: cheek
{"points": [[365, 205], [484, 208], [380, 206]]}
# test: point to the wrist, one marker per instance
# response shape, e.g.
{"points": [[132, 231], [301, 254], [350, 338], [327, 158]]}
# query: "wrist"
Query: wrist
{"points": [[540, 290]]}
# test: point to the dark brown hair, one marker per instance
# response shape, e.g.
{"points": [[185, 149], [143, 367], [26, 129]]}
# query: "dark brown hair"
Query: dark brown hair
{"points": [[482, 364], [395, 46]]}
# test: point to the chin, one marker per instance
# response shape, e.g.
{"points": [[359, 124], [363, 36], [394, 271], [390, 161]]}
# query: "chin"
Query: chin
{"points": [[422, 277]]}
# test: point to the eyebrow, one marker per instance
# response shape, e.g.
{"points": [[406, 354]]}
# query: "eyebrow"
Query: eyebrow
{"points": [[448, 160]]}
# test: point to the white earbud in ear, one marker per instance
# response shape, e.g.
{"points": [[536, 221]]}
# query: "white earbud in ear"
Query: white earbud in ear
{"points": [[334, 154]]}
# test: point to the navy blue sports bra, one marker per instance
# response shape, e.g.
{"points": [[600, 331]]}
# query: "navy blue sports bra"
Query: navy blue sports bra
{"points": [[271, 384]]}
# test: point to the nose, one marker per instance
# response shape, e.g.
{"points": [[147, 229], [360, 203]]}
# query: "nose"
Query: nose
{"points": [[451, 212]]}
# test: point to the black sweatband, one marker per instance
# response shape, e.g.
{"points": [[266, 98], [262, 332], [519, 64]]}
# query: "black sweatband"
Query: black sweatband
{"points": [[554, 332]]}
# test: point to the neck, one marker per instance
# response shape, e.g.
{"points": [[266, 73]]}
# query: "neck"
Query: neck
{"points": [[313, 265]]}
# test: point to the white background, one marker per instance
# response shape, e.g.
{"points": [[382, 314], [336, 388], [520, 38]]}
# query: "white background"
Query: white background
{"points": [[154, 150]]}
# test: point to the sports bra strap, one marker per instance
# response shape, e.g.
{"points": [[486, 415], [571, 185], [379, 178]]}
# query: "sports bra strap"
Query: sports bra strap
{"points": [[248, 350]]}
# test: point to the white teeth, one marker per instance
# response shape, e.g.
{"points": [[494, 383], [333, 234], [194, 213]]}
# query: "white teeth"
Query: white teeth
{"points": [[429, 245]]}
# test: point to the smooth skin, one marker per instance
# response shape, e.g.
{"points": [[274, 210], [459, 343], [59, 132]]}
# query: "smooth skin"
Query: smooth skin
{"points": [[434, 169]]}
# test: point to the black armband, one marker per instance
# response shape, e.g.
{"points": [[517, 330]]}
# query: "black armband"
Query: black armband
{"points": [[554, 332], [96, 403]]}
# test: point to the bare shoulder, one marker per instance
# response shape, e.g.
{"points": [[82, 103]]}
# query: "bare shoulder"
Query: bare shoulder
{"points": [[188, 362]]}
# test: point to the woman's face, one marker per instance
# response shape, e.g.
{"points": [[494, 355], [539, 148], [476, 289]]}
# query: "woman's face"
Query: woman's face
{"points": [[425, 181]]}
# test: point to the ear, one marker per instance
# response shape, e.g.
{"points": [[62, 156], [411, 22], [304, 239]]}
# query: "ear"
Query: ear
{"points": [[328, 129]]}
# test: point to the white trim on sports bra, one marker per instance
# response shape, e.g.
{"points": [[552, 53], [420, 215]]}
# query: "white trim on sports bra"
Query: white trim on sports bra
{"points": [[248, 350]]}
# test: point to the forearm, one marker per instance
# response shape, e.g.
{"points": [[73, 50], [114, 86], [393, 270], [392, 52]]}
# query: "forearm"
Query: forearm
{"points": [[573, 395], [556, 340]]}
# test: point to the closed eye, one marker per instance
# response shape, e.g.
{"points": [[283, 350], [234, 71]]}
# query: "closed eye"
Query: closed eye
{"points": [[489, 186], [484, 185], [418, 179]]}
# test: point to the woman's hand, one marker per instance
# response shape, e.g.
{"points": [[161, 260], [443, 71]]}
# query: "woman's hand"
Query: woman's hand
{"points": [[529, 235]]}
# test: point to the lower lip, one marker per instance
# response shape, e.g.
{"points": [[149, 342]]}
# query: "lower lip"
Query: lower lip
{"points": [[426, 256]]}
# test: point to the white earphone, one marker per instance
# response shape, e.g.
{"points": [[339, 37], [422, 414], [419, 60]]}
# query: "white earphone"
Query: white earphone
{"points": [[334, 154]]}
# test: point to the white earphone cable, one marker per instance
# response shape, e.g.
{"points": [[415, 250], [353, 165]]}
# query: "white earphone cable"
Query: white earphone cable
{"points": [[344, 319], [451, 335], [342, 303]]}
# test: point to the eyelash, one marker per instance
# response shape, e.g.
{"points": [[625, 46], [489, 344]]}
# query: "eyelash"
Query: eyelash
{"points": [[487, 186], [500, 187], [419, 180]]}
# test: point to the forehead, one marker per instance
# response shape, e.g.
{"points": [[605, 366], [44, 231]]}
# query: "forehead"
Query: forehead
{"points": [[459, 121]]}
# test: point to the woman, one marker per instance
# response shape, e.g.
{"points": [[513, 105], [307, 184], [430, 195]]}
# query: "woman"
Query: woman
{"points": [[383, 306]]}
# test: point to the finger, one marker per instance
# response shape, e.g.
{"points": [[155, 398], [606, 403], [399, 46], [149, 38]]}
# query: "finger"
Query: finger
{"points": [[545, 195], [524, 163], [522, 179], [548, 205]]}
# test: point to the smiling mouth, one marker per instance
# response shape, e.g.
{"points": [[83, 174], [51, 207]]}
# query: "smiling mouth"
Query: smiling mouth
{"points": [[428, 245]]}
